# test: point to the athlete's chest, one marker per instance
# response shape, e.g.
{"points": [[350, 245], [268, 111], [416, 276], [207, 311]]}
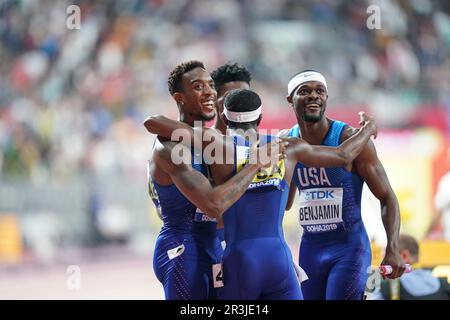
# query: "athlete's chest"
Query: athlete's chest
{"points": [[309, 177], [313, 177]]}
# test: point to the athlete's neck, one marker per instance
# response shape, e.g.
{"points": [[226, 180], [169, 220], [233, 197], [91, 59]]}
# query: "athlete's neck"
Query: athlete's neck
{"points": [[186, 118], [243, 130], [220, 126], [314, 132]]}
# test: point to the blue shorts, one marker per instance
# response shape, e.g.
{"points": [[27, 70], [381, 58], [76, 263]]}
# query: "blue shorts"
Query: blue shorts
{"points": [[259, 269], [182, 262], [336, 263]]}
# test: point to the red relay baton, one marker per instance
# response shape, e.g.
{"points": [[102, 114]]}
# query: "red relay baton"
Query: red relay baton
{"points": [[387, 269]]}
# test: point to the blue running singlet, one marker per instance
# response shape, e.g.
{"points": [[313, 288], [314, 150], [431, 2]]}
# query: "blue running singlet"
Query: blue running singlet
{"points": [[187, 246], [257, 263], [335, 249]]}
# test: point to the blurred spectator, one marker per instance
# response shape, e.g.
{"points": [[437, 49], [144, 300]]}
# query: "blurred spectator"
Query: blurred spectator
{"points": [[67, 93], [441, 221], [43, 233], [419, 284]]}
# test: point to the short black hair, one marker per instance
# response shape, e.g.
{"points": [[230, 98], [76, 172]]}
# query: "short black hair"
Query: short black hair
{"points": [[230, 72], [242, 100], [174, 81]]}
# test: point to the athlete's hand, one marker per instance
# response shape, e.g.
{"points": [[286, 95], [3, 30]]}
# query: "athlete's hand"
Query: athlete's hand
{"points": [[365, 120], [268, 154], [393, 259]]}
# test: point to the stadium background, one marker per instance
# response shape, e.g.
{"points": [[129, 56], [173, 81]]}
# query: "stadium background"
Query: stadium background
{"points": [[73, 149]]}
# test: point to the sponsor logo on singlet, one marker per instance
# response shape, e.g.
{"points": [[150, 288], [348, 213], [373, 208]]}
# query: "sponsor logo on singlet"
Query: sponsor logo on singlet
{"points": [[271, 176], [313, 177], [176, 252], [321, 209], [200, 216]]}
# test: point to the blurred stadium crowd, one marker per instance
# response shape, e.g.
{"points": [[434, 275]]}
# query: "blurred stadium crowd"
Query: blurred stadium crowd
{"points": [[72, 101]]}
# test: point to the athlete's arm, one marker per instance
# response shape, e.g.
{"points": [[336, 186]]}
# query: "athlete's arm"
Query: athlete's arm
{"points": [[213, 201], [372, 171], [324, 156], [178, 131], [163, 126]]}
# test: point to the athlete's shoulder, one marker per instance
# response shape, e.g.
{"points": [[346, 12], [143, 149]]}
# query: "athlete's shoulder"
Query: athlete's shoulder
{"points": [[163, 147], [368, 153], [164, 152], [347, 131], [284, 133], [294, 131]]}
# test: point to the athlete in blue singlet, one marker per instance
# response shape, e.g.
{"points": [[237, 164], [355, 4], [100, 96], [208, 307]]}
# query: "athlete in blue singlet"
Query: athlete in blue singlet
{"points": [[187, 246], [227, 77], [257, 263], [335, 250]]}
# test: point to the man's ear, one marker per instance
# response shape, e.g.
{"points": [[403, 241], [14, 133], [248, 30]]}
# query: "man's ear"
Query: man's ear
{"points": [[289, 100], [179, 98], [259, 120]]}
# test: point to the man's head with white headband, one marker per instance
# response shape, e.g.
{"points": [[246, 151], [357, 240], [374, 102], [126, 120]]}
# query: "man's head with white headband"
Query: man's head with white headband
{"points": [[308, 94], [242, 107]]}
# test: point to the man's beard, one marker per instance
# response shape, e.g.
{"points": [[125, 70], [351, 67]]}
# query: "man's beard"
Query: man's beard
{"points": [[312, 118], [205, 117], [200, 116]]}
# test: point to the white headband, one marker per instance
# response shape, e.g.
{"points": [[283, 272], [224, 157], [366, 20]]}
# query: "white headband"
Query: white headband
{"points": [[305, 77], [240, 117]]}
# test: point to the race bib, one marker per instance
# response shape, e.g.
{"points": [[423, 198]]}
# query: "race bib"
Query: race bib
{"points": [[217, 275], [321, 209], [271, 176]]}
